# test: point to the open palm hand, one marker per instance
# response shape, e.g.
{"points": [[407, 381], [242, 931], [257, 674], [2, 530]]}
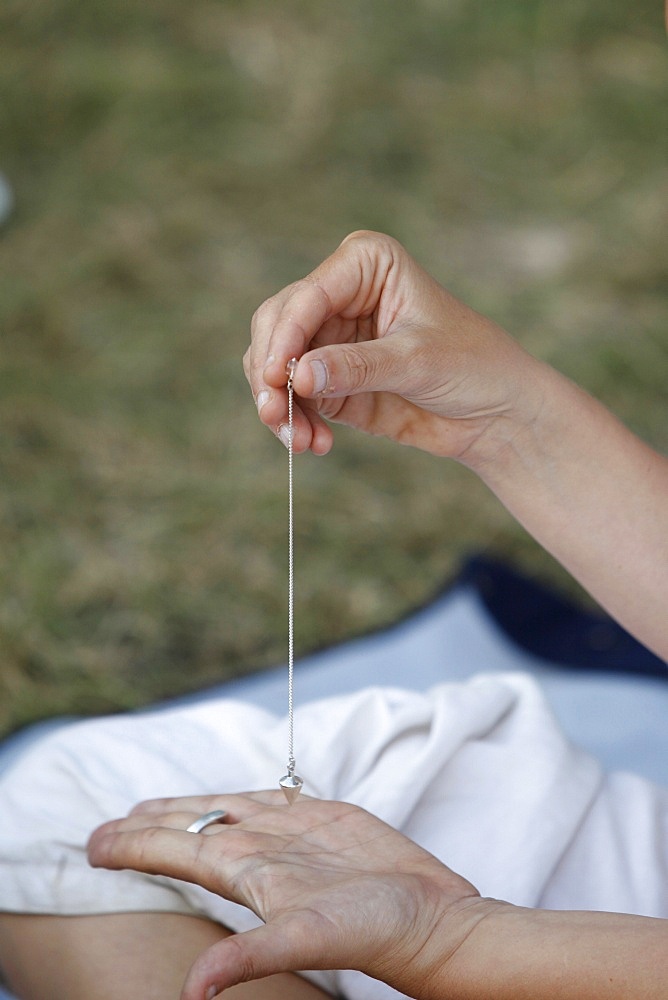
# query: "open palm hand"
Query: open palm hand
{"points": [[335, 887]]}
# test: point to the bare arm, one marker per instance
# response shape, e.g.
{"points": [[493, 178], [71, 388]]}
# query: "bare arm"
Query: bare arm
{"points": [[384, 348], [520, 954], [596, 497], [338, 889]]}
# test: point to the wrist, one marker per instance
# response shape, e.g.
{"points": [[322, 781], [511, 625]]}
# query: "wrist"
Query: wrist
{"points": [[515, 953], [431, 962], [520, 437]]}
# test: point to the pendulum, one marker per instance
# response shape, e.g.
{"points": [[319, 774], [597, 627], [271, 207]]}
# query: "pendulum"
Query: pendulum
{"points": [[291, 783]]}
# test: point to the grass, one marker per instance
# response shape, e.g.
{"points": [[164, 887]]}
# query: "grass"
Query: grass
{"points": [[173, 164]]}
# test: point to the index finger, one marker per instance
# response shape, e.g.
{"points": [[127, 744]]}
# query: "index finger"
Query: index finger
{"points": [[348, 283], [288, 328]]}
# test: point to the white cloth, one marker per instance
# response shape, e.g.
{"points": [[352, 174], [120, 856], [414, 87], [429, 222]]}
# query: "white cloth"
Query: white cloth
{"points": [[478, 772]]}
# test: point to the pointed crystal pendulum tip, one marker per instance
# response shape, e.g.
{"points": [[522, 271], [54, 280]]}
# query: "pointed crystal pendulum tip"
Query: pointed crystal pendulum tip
{"points": [[291, 785]]}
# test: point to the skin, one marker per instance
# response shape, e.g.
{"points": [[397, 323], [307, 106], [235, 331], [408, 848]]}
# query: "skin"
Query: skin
{"points": [[120, 955], [383, 348], [337, 888], [515, 953]]}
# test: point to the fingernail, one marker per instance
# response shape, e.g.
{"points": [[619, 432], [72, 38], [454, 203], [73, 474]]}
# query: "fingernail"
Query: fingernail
{"points": [[270, 360], [262, 398], [212, 992], [320, 375], [284, 434]]}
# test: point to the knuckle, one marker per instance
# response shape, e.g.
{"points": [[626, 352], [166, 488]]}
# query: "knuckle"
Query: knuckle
{"points": [[144, 841], [307, 291], [362, 235], [373, 241], [265, 309], [245, 966]]}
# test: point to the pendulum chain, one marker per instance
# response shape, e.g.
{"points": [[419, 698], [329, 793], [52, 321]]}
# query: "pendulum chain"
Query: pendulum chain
{"points": [[291, 783], [291, 583]]}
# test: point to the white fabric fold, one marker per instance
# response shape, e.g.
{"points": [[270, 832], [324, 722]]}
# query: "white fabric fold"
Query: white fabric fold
{"points": [[478, 773]]}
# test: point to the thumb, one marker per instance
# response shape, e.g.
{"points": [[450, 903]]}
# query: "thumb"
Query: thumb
{"points": [[241, 958], [350, 369]]}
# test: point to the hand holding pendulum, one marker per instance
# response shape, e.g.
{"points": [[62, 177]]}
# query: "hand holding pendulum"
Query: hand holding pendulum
{"points": [[291, 783]]}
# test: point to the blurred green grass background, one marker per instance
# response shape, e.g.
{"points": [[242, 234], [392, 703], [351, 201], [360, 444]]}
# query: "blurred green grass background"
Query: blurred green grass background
{"points": [[175, 163]]}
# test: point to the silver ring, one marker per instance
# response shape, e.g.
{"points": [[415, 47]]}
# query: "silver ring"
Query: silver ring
{"points": [[208, 819]]}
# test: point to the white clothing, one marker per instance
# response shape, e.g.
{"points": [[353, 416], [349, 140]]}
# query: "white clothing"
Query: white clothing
{"points": [[477, 772]]}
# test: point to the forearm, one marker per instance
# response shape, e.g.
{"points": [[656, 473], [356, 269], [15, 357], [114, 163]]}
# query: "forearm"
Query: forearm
{"points": [[432, 373], [593, 495], [522, 954]]}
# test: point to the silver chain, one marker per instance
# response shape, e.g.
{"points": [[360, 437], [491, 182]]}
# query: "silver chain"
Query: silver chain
{"points": [[291, 581], [291, 783]]}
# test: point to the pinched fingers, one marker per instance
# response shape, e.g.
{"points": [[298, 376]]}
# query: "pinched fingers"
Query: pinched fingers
{"points": [[323, 308], [283, 328], [308, 428], [331, 306]]}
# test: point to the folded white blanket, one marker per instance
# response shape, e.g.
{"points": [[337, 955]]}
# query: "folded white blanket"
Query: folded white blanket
{"points": [[477, 772]]}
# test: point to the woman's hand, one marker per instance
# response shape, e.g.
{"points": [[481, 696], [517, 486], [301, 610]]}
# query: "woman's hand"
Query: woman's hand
{"points": [[339, 889], [384, 348], [336, 887]]}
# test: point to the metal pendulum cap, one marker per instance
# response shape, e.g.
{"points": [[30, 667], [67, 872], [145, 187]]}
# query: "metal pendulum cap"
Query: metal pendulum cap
{"points": [[291, 785]]}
